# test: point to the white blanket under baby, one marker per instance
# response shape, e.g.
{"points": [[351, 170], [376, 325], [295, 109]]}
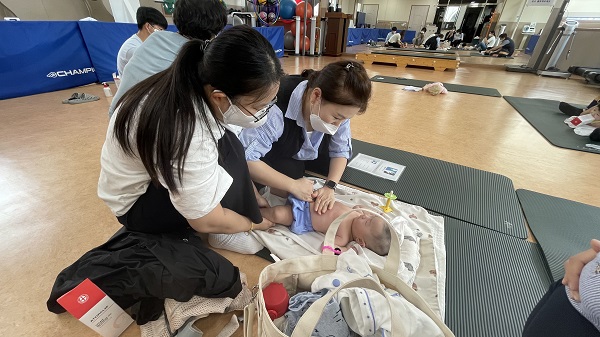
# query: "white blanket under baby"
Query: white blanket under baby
{"points": [[423, 252]]}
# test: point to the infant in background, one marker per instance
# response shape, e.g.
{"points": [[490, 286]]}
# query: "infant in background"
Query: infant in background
{"points": [[366, 229]]}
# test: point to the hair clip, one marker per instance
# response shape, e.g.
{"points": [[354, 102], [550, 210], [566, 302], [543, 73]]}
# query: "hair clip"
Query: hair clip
{"points": [[204, 44], [349, 65]]}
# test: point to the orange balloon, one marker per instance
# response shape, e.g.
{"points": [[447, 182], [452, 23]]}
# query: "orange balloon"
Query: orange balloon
{"points": [[300, 10]]}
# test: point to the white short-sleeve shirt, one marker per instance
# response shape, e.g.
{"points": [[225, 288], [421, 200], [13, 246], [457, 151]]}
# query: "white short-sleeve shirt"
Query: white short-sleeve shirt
{"points": [[126, 52], [123, 178]]}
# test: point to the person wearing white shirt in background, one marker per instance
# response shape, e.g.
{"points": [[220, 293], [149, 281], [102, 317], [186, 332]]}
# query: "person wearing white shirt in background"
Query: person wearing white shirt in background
{"points": [[393, 38], [149, 20], [390, 34], [487, 43], [458, 38]]}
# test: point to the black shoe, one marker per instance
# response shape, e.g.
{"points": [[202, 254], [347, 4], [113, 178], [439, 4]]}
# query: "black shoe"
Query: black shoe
{"points": [[595, 135], [569, 110]]}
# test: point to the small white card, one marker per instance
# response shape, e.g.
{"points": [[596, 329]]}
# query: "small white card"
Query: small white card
{"points": [[377, 167]]}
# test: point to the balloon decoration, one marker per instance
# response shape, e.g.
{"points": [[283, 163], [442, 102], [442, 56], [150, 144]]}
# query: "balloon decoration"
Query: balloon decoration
{"points": [[267, 11]]}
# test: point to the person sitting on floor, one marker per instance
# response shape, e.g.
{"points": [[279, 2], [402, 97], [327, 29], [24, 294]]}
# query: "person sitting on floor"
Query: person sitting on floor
{"points": [[368, 230], [457, 39], [570, 307], [433, 42], [149, 20], [449, 35], [487, 42], [420, 38], [389, 35], [593, 110], [505, 49], [395, 39]]}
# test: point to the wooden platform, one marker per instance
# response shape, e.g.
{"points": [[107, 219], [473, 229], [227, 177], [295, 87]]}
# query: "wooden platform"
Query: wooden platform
{"points": [[437, 61]]}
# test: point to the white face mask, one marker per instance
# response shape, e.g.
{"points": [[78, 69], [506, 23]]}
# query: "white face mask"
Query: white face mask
{"points": [[235, 116], [319, 125]]}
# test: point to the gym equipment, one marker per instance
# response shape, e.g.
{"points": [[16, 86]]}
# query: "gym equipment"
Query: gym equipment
{"points": [[547, 119], [562, 227], [552, 40], [465, 89], [438, 61], [287, 9], [301, 8], [482, 198], [288, 40]]}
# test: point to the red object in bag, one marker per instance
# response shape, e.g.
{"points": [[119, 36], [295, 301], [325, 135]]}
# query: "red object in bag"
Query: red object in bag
{"points": [[276, 300]]}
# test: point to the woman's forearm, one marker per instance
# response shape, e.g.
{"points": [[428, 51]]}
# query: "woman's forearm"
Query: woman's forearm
{"points": [[264, 174]]}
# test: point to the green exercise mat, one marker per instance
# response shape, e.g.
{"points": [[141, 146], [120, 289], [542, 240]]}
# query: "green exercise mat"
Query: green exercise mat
{"points": [[562, 227], [493, 281], [545, 117], [479, 197], [465, 89]]}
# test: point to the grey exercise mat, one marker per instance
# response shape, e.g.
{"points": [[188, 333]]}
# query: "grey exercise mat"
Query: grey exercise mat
{"points": [[479, 197], [412, 53], [423, 50], [465, 89], [478, 54], [562, 227], [544, 116], [493, 281]]}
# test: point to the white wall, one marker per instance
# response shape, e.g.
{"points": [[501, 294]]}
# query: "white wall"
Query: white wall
{"points": [[48, 9], [399, 10], [584, 8]]}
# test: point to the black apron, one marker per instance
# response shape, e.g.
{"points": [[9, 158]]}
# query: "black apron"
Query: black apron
{"points": [[290, 142], [154, 212]]}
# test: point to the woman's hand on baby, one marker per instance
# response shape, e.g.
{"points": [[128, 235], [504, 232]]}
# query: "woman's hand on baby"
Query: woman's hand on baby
{"points": [[575, 264], [265, 224], [324, 199], [302, 189]]}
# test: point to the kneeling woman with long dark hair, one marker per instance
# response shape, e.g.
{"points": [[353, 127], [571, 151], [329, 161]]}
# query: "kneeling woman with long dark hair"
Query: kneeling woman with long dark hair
{"points": [[171, 158]]}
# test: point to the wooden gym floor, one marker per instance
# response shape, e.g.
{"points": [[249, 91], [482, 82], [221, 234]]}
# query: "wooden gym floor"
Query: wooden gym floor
{"points": [[49, 163]]}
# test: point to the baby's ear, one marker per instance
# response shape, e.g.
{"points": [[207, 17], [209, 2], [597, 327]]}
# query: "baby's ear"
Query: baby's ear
{"points": [[360, 242]]}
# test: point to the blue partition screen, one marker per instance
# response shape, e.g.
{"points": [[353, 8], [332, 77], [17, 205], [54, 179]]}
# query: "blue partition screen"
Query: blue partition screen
{"points": [[41, 56], [103, 41]]}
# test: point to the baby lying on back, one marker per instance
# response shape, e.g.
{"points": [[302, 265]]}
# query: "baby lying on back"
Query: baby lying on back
{"points": [[368, 230]]}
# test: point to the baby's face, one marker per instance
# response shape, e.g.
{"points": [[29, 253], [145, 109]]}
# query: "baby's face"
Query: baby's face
{"points": [[366, 225]]}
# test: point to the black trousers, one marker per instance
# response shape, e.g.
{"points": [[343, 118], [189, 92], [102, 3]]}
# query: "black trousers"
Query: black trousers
{"points": [[555, 316], [153, 213], [394, 44]]}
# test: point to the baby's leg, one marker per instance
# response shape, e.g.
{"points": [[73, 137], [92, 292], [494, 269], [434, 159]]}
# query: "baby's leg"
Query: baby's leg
{"points": [[278, 214]]}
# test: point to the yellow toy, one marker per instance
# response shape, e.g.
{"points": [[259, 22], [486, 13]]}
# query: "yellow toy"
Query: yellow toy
{"points": [[389, 196]]}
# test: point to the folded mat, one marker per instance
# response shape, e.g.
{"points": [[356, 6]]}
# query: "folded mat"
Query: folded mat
{"points": [[562, 227], [544, 116], [465, 89], [493, 281], [479, 197], [438, 51]]}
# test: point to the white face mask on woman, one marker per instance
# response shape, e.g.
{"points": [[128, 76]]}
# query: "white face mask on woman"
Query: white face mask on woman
{"points": [[235, 116], [319, 125]]}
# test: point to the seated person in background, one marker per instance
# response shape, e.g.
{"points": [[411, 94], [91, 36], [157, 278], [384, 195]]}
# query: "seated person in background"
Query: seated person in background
{"points": [[420, 38], [571, 305], [457, 39], [505, 49], [149, 20], [487, 42], [368, 230], [449, 35], [393, 38], [433, 42], [570, 110]]}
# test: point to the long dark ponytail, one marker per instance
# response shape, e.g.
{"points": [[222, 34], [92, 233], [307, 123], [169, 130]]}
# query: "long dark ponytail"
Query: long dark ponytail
{"points": [[161, 111]]}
